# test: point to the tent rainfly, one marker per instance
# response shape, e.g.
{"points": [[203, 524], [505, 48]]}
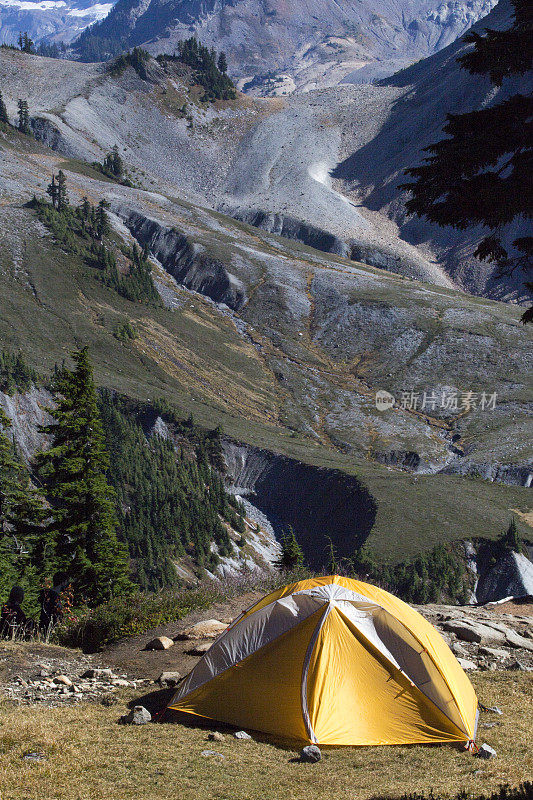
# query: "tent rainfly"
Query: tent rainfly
{"points": [[336, 662]]}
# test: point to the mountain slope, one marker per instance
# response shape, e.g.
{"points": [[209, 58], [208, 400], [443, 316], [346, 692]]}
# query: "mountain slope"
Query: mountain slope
{"points": [[49, 20], [311, 43], [285, 346]]}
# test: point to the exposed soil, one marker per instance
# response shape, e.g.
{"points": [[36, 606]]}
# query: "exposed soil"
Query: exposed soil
{"points": [[129, 655]]}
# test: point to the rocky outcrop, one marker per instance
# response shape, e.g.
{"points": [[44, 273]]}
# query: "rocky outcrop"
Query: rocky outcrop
{"points": [[185, 260], [321, 505], [27, 413], [511, 576]]}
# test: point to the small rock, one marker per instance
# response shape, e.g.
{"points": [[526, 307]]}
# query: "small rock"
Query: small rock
{"points": [[137, 716], [62, 680], [44, 673], [207, 629], [160, 643], [169, 678], [458, 649], [311, 754], [210, 753], [518, 665], [466, 664], [486, 751], [241, 735], [215, 736], [199, 649], [493, 652], [98, 672], [489, 724], [36, 756], [493, 709]]}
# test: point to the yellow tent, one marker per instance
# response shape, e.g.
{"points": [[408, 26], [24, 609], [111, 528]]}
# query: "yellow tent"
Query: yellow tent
{"points": [[333, 661]]}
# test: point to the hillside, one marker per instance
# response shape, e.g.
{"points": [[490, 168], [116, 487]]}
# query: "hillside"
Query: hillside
{"points": [[285, 347], [274, 47], [322, 167]]}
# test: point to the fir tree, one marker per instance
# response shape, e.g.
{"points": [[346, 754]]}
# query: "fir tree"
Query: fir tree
{"points": [[291, 553], [24, 117], [511, 539], [481, 173], [74, 475], [22, 514], [3, 111], [103, 227], [52, 191], [62, 196], [222, 63]]}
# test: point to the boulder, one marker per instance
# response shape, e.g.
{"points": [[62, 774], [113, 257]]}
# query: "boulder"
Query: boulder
{"points": [[169, 678], [466, 664], [241, 735], [486, 751], [138, 715], [207, 629], [160, 643], [514, 639], [470, 631], [62, 680], [120, 682], [200, 648], [215, 736], [310, 754], [98, 672]]}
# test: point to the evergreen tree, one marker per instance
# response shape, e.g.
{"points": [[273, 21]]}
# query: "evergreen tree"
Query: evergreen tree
{"points": [[74, 475], [113, 164], [481, 173], [511, 539], [62, 196], [103, 227], [24, 117], [25, 43], [3, 111], [52, 191], [291, 553], [222, 63], [22, 514]]}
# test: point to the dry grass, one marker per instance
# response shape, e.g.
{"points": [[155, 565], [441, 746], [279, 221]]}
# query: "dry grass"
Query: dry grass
{"points": [[90, 757]]}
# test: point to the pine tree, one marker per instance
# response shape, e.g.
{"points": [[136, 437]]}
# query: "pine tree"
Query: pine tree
{"points": [[481, 173], [291, 553], [52, 190], [62, 196], [74, 474], [3, 111], [24, 117]]}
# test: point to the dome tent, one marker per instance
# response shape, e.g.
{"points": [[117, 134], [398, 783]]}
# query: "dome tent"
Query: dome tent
{"points": [[333, 661]]}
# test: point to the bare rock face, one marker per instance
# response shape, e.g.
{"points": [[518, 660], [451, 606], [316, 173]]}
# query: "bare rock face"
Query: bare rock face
{"points": [[206, 629], [470, 631], [512, 576], [160, 643]]}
